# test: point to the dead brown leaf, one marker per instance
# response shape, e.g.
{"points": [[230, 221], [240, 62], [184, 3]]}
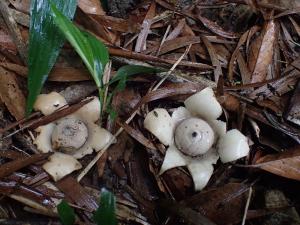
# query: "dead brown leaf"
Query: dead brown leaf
{"points": [[76, 193], [295, 24], [91, 7], [223, 205], [137, 135], [146, 25], [287, 38], [234, 56], [288, 12], [245, 73], [285, 164], [177, 30], [117, 24], [261, 52], [174, 44], [22, 6], [13, 187], [277, 87], [101, 163], [214, 59], [102, 32], [124, 101], [6, 42], [215, 28], [11, 94], [293, 111], [12, 166]]}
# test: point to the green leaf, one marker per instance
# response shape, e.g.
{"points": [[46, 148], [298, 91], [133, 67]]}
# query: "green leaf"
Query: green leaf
{"points": [[112, 113], [130, 70], [45, 41], [92, 51], [106, 213], [66, 213]]}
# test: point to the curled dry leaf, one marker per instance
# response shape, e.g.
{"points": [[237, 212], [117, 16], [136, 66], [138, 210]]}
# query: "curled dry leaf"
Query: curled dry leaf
{"points": [[215, 28], [141, 40], [137, 135], [285, 164], [177, 30], [77, 194], [117, 24], [261, 52], [293, 112], [283, 4], [223, 205], [7, 43], [22, 6], [11, 94], [214, 59], [234, 56], [91, 7], [174, 44]]}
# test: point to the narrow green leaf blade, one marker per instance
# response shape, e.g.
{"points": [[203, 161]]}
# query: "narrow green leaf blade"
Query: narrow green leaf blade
{"points": [[130, 70], [45, 41], [92, 51], [75, 37], [66, 213], [106, 213], [100, 53]]}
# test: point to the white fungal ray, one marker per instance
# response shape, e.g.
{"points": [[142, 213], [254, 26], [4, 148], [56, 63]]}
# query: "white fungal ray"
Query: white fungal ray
{"points": [[201, 173], [43, 139], [219, 127], [200, 168], [98, 138], [91, 111], [232, 146], [173, 158], [161, 125], [48, 103], [180, 114], [60, 165], [204, 104]]}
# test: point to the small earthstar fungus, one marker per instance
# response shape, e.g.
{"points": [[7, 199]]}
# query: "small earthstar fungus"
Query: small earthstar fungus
{"points": [[195, 137], [71, 137]]}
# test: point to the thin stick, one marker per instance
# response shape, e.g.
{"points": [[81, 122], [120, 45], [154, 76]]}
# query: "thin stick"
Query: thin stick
{"points": [[163, 40], [111, 141], [247, 206], [105, 78], [172, 69]]}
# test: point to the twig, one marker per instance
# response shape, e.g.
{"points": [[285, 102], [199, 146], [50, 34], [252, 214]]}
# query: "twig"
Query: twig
{"points": [[139, 56], [61, 112], [14, 30], [105, 79], [247, 206], [101, 152], [172, 69], [163, 40]]}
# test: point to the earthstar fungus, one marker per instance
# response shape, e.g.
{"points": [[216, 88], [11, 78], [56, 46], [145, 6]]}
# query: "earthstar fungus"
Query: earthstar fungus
{"points": [[195, 137], [71, 137]]}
